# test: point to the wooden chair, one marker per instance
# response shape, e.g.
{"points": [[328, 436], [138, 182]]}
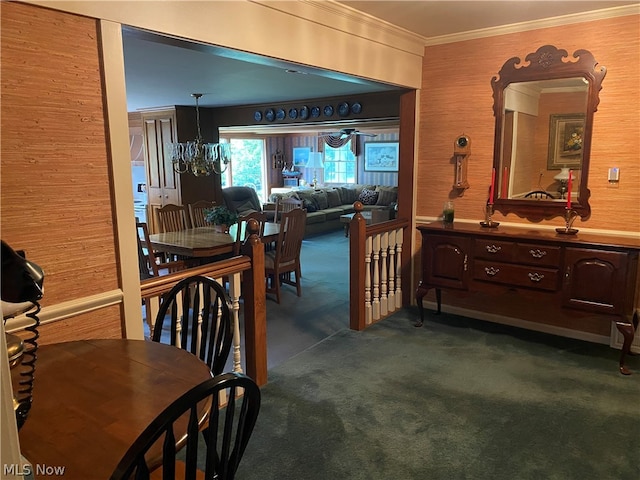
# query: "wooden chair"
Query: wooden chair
{"points": [[229, 431], [172, 218], [286, 204], [284, 260], [242, 232], [151, 264], [539, 194], [199, 321], [196, 213]]}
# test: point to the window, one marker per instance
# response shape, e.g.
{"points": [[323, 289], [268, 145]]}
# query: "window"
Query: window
{"points": [[339, 164], [247, 167]]}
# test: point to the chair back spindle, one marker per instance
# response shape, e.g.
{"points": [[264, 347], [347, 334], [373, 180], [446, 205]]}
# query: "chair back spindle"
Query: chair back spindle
{"points": [[230, 428], [172, 218], [199, 320]]}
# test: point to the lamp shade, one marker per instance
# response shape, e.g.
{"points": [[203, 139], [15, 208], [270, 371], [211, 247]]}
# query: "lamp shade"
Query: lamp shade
{"points": [[315, 160], [564, 174]]}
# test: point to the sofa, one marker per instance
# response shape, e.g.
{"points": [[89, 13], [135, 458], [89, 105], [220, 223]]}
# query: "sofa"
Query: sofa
{"points": [[325, 206]]}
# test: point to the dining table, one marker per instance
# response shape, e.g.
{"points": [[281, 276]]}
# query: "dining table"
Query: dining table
{"points": [[93, 398], [205, 241]]}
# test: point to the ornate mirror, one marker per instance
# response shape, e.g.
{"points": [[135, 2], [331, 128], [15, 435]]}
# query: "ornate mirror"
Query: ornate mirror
{"points": [[544, 118]]}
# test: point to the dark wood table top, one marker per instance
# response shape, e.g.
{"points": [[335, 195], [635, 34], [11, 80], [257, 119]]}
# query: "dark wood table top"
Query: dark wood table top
{"points": [[204, 241], [92, 398]]}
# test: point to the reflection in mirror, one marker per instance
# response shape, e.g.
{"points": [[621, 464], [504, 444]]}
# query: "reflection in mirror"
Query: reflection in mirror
{"points": [[543, 133], [544, 108]]}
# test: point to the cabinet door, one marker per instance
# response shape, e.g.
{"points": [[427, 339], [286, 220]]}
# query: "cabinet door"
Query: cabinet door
{"points": [[163, 184], [595, 280], [445, 262]]}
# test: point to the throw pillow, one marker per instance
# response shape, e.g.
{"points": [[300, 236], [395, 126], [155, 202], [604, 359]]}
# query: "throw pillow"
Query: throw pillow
{"points": [[309, 205], [386, 195], [368, 197], [320, 197], [348, 195], [333, 197]]}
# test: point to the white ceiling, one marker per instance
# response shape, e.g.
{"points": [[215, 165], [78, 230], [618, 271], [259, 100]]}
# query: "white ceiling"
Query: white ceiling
{"points": [[155, 66]]}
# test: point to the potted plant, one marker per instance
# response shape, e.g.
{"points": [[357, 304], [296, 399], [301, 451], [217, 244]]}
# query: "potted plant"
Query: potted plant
{"points": [[221, 217]]}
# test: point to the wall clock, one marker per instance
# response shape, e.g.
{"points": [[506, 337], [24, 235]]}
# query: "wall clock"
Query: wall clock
{"points": [[461, 151]]}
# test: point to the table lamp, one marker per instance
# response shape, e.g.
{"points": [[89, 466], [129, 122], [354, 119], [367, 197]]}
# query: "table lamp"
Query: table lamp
{"points": [[315, 162]]}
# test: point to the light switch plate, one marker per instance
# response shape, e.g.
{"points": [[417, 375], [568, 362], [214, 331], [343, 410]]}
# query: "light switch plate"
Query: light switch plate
{"points": [[614, 174]]}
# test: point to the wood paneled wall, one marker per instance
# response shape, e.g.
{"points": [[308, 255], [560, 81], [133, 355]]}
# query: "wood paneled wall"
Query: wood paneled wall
{"points": [[56, 188], [457, 98], [288, 142]]}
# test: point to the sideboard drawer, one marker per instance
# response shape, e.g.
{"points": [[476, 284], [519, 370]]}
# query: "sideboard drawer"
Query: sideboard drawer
{"points": [[517, 275], [494, 249], [532, 254]]}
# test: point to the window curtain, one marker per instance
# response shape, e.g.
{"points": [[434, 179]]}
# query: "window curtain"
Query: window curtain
{"points": [[336, 141]]}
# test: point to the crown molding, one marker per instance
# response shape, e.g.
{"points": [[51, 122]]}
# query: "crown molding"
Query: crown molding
{"points": [[340, 17], [536, 24]]}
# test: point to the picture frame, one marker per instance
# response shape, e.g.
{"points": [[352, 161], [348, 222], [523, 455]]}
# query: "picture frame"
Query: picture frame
{"points": [[566, 132], [301, 156], [381, 156]]}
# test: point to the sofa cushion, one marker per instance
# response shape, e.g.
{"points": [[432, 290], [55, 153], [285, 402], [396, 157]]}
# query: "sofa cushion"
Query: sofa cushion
{"points": [[306, 195], [316, 217], [320, 197], [348, 195], [333, 197], [386, 195], [309, 205], [368, 197], [333, 213]]}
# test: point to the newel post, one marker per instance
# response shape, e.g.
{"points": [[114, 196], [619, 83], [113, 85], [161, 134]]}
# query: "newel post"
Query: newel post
{"points": [[357, 242], [255, 308]]}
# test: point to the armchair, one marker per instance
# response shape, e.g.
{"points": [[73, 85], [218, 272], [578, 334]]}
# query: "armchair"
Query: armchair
{"points": [[241, 200]]}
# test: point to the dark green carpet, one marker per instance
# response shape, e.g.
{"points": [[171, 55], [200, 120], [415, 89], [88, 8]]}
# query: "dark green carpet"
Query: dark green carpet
{"points": [[456, 399]]}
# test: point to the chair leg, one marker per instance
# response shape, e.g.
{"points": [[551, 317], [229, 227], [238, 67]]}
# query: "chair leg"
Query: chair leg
{"points": [[276, 280], [298, 282]]}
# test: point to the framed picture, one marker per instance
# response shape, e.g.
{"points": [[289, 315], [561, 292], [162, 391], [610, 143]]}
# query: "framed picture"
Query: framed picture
{"points": [[381, 156], [301, 156], [566, 133]]}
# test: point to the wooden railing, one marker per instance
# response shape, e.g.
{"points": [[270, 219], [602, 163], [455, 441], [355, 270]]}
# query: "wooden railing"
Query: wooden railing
{"points": [[377, 263], [250, 267]]}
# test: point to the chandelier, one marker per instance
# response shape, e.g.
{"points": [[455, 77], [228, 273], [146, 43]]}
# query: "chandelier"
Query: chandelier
{"points": [[197, 157]]}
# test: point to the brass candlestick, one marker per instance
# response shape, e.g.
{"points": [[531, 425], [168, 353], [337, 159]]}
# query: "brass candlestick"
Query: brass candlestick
{"points": [[488, 213], [569, 218]]}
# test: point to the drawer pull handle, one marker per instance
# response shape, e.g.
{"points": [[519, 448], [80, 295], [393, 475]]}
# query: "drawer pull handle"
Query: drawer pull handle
{"points": [[537, 253], [465, 263], [491, 271], [535, 277], [493, 248]]}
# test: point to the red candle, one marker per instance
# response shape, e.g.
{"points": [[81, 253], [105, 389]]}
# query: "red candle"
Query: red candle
{"points": [[505, 175], [569, 182], [493, 185]]}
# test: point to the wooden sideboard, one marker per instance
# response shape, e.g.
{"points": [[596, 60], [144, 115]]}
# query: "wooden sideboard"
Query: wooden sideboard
{"points": [[586, 272]]}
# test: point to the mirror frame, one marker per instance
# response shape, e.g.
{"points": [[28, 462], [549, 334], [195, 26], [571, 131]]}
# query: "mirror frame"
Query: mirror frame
{"points": [[545, 64]]}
